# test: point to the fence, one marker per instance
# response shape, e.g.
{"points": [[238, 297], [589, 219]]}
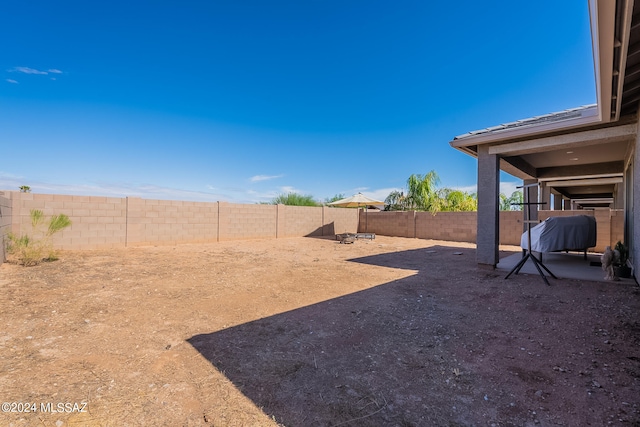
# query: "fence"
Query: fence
{"points": [[107, 222], [462, 226], [5, 225]]}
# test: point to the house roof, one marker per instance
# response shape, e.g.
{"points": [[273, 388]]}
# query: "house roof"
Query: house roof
{"points": [[590, 142], [557, 117]]}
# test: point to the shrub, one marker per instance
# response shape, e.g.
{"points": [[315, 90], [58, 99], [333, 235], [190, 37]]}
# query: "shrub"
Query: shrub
{"points": [[37, 246], [294, 199]]}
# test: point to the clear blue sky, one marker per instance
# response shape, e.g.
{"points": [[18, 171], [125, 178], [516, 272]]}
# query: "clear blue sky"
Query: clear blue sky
{"points": [[242, 100]]}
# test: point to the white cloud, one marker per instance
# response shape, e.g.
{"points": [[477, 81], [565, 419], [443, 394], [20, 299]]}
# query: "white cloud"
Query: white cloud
{"points": [[507, 188], [27, 70], [379, 194], [258, 178], [15, 82], [12, 182], [288, 189], [360, 190], [467, 189], [9, 176]]}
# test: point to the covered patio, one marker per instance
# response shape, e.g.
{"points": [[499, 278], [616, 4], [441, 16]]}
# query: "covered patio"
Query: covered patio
{"points": [[570, 265], [584, 158]]}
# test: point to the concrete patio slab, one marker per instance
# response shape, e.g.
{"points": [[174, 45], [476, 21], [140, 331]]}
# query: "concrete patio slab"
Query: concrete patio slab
{"points": [[563, 265]]}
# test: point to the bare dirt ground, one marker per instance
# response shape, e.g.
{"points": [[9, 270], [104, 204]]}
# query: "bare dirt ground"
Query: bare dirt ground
{"points": [[310, 332]]}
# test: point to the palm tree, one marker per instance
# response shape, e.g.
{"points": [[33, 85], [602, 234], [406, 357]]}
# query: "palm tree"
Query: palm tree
{"points": [[422, 193], [395, 201]]}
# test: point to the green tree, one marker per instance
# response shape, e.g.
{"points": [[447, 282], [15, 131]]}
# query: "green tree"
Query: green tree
{"points": [[451, 200], [511, 203], [334, 198], [25, 189], [422, 193], [294, 199], [395, 201]]}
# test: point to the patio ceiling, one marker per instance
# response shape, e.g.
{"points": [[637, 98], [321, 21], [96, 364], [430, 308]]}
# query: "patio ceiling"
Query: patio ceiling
{"points": [[580, 153], [631, 80]]}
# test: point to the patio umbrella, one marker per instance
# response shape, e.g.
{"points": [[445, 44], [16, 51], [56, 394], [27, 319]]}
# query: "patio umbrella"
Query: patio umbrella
{"points": [[356, 201]]}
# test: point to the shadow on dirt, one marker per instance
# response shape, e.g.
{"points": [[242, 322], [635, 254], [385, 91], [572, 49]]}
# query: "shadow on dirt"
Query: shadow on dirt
{"points": [[440, 347], [368, 358]]}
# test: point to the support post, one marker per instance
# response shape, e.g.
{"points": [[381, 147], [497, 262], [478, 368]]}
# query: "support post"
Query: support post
{"points": [[488, 232], [545, 192], [557, 202]]}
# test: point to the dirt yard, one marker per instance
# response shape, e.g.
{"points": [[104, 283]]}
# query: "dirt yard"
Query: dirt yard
{"points": [[310, 332]]}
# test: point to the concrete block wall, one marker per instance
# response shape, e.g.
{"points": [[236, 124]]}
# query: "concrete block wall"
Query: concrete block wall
{"points": [[395, 223], [238, 221], [451, 226], [340, 220], [169, 222], [301, 220], [5, 225], [511, 226], [105, 222], [617, 226], [609, 223], [97, 222]]}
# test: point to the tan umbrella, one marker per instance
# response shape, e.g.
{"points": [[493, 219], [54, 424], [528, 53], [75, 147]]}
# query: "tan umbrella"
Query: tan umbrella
{"points": [[356, 201]]}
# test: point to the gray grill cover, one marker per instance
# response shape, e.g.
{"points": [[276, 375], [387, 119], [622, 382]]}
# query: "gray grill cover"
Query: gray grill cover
{"points": [[571, 233]]}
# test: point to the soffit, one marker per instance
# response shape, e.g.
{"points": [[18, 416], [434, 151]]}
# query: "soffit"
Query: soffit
{"points": [[592, 154], [631, 86]]}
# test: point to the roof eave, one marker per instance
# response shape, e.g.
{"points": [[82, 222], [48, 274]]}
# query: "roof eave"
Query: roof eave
{"points": [[602, 15], [603, 21], [523, 132]]}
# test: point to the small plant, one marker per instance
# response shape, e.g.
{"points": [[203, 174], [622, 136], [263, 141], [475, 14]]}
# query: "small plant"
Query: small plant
{"points": [[25, 189], [621, 268], [35, 247], [623, 251]]}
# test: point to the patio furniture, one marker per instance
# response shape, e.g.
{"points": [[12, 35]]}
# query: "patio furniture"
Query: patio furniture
{"points": [[572, 233], [352, 237], [356, 201], [346, 237], [369, 236]]}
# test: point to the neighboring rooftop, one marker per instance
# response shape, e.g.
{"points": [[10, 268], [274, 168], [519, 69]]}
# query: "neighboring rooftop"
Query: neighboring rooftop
{"points": [[572, 113]]}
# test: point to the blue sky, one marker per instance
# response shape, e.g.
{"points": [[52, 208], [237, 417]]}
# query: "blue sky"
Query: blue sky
{"points": [[240, 101]]}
